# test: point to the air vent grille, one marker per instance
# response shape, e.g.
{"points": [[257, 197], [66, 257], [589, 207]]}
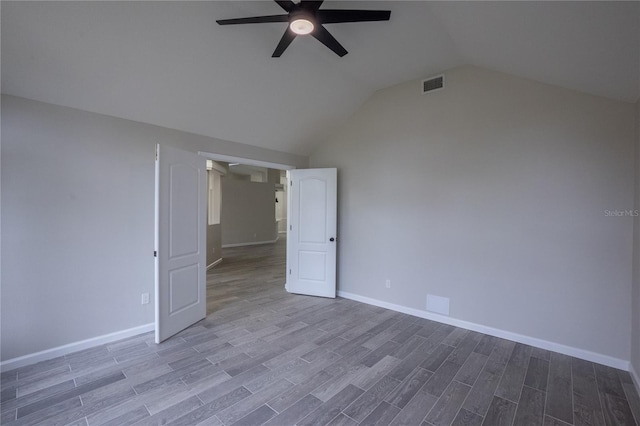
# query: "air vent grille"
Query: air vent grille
{"points": [[432, 84]]}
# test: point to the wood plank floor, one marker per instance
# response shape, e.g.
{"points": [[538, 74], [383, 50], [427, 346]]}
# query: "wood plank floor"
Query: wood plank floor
{"points": [[263, 356]]}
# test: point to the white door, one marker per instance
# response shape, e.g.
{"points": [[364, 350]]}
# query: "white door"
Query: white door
{"points": [[311, 240], [181, 179]]}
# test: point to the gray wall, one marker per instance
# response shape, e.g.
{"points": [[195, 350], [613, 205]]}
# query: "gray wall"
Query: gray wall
{"points": [[77, 221], [214, 243], [635, 327], [492, 192], [248, 212]]}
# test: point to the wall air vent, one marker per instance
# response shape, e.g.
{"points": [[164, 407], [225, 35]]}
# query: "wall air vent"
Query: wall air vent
{"points": [[431, 84]]}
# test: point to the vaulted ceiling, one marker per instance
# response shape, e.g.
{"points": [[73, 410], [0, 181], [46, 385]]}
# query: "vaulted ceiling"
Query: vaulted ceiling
{"points": [[170, 64]]}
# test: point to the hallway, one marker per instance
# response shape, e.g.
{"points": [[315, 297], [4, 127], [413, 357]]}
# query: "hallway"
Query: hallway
{"points": [[247, 272]]}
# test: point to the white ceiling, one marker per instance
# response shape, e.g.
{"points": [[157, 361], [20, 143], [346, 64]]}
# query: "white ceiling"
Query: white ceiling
{"points": [[170, 64]]}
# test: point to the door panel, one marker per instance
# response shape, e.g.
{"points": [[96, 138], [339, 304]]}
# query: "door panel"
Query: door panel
{"points": [[311, 243], [313, 208], [312, 266], [183, 224], [183, 289], [180, 240]]}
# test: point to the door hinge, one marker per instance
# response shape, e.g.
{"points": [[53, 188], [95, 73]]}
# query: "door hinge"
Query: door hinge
{"points": [[290, 227], [291, 183], [155, 253], [157, 152], [289, 271]]}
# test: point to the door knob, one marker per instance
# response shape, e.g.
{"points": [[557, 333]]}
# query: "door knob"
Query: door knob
{"points": [[332, 239]]}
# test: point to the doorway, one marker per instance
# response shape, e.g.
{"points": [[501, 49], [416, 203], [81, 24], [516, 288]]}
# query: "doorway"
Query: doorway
{"points": [[310, 252], [248, 201]]}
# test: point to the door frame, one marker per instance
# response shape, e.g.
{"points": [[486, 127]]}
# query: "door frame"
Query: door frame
{"points": [[246, 161]]}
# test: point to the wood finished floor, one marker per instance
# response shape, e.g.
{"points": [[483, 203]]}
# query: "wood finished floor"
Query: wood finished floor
{"points": [[263, 356]]}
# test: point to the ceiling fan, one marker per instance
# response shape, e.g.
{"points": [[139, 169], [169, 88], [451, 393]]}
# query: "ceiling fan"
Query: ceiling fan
{"points": [[306, 17]]}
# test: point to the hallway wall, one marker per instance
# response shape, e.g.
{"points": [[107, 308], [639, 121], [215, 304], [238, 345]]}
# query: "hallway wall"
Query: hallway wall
{"points": [[248, 212]]}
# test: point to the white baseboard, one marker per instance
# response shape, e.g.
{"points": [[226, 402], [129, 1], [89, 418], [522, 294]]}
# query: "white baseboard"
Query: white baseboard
{"points": [[29, 359], [253, 243], [520, 338], [214, 264], [635, 377]]}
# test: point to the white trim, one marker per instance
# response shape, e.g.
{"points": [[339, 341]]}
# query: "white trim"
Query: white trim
{"points": [[214, 264], [217, 167], [634, 376], [29, 359], [520, 338], [254, 243], [245, 161]]}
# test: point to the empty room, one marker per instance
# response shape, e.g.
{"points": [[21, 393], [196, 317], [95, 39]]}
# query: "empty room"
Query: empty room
{"points": [[448, 230]]}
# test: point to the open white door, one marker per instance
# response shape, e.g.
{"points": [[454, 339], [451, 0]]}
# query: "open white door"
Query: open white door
{"points": [[181, 179], [311, 240]]}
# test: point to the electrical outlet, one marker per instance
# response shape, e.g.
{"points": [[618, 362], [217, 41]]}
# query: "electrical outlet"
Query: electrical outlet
{"points": [[145, 298], [387, 283]]}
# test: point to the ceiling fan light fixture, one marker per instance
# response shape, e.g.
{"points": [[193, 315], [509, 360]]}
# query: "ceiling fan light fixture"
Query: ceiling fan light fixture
{"points": [[301, 26], [306, 17]]}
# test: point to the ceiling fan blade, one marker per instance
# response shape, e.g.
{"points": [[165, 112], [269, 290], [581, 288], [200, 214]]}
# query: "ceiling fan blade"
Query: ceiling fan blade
{"points": [[323, 36], [312, 4], [254, 20], [286, 4], [285, 41], [334, 16]]}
